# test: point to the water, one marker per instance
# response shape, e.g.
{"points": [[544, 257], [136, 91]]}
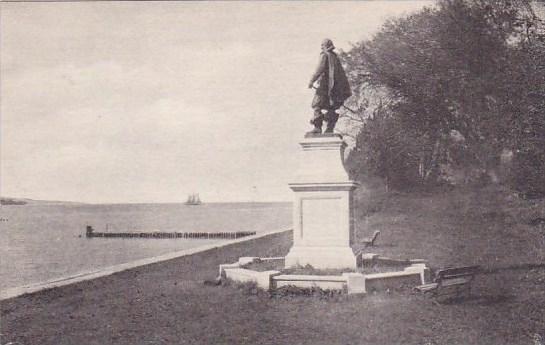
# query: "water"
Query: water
{"points": [[44, 242]]}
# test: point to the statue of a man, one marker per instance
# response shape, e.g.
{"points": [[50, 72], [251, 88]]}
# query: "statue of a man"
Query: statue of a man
{"points": [[333, 89]]}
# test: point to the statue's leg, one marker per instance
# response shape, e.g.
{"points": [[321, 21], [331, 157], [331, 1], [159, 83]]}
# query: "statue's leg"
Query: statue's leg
{"points": [[317, 120], [331, 117], [319, 102]]}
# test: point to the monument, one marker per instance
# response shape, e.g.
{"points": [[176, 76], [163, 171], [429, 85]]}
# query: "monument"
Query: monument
{"points": [[333, 89], [323, 192], [323, 209]]}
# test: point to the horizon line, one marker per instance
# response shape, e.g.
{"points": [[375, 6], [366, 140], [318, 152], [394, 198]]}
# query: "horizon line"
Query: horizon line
{"points": [[136, 202]]}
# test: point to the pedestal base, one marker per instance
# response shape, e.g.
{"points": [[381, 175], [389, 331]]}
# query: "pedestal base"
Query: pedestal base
{"points": [[321, 257], [323, 207]]}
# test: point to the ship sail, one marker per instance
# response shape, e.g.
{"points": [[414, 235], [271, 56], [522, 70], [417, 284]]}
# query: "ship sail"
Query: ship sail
{"points": [[193, 199]]}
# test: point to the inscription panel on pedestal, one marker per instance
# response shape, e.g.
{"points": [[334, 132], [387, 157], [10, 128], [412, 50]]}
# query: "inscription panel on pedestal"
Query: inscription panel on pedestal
{"points": [[321, 221]]}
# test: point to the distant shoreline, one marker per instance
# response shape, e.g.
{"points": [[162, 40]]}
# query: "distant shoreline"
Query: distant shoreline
{"points": [[9, 201]]}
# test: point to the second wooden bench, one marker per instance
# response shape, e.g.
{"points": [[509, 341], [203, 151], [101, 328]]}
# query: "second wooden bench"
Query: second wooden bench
{"points": [[451, 282]]}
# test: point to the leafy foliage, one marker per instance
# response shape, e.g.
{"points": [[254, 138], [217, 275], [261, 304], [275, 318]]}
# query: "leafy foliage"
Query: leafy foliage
{"points": [[454, 84]]}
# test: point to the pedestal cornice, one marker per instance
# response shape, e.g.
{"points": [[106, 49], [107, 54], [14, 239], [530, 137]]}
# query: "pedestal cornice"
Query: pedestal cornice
{"points": [[333, 142], [323, 186]]}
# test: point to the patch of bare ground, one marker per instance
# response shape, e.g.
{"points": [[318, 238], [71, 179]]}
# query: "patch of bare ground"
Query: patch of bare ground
{"points": [[167, 303]]}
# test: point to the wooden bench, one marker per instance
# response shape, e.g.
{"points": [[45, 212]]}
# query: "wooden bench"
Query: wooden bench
{"points": [[451, 282], [370, 242]]}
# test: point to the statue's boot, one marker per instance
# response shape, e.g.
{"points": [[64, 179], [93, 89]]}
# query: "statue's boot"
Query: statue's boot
{"points": [[317, 121], [316, 130], [331, 118]]}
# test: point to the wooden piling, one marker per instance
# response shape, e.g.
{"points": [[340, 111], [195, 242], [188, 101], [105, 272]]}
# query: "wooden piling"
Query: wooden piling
{"points": [[89, 233]]}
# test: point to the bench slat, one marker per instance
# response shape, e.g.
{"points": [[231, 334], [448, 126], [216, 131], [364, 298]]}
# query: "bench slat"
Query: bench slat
{"points": [[458, 270], [458, 281], [426, 287], [453, 276]]}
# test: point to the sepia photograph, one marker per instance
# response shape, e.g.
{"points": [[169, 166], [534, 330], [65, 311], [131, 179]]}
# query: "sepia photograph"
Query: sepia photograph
{"points": [[272, 172]]}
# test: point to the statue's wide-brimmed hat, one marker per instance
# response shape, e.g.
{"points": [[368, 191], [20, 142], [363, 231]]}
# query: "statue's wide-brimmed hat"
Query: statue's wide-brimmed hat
{"points": [[327, 44]]}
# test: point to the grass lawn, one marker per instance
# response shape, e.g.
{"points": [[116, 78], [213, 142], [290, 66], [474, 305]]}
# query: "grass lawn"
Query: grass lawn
{"points": [[167, 303]]}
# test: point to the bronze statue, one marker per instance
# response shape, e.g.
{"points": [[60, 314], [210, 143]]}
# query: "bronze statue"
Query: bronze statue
{"points": [[333, 89]]}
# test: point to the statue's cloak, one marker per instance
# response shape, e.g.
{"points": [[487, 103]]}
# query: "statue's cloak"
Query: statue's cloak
{"points": [[338, 86], [333, 88]]}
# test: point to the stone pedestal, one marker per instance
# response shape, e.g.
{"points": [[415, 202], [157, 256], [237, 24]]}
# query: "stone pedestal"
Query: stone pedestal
{"points": [[323, 207]]}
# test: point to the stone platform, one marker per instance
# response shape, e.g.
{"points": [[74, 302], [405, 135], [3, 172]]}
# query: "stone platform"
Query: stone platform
{"points": [[349, 282]]}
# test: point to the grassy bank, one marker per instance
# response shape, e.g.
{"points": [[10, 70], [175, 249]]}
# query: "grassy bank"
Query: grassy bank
{"points": [[167, 303]]}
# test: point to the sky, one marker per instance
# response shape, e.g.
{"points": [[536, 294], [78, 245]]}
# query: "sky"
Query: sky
{"points": [[113, 102]]}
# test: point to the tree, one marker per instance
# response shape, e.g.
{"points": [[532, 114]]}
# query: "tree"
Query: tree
{"points": [[462, 66], [527, 132]]}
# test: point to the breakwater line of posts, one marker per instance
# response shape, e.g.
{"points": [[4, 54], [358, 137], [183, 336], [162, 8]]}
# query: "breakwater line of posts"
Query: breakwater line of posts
{"points": [[90, 233]]}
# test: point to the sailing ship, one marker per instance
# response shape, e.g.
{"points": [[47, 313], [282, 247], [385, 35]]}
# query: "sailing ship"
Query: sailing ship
{"points": [[193, 199]]}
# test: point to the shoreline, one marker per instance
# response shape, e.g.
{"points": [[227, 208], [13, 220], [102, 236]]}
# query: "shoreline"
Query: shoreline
{"points": [[103, 272]]}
